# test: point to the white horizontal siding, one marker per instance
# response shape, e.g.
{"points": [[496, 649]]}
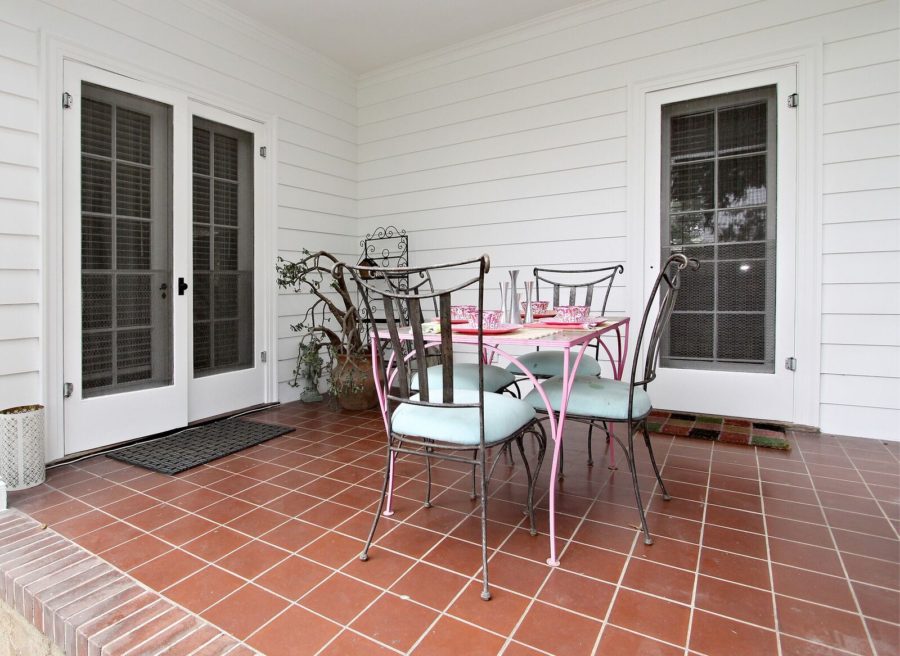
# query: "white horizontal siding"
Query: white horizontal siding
{"points": [[875, 267], [881, 299], [865, 421], [861, 113], [19, 321], [19, 147], [862, 82], [20, 189], [865, 143], [515, 146], [861, 236], [867, 329], [863, 205], [863, 391], [18, 217], [19, 389]]}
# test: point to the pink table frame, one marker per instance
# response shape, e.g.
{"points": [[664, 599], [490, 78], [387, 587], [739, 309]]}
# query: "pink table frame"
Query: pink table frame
{"points": [[563, 340]]}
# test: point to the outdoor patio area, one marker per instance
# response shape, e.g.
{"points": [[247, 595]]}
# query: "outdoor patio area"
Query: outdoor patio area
{"points": [[759, 552]]}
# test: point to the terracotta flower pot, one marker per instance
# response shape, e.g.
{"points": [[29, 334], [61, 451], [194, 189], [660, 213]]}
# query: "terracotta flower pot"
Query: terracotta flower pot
{"points": [[353, 382]]}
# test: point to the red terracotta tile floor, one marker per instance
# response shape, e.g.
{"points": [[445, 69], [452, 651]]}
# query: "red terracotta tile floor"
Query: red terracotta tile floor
{"points": [[759, 551]]}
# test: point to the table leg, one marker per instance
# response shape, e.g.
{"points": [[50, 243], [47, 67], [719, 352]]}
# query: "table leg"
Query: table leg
{"points": [[557, 433]]}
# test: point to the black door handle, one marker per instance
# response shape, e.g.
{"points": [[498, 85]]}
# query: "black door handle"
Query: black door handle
{"points": [[182, 286]]}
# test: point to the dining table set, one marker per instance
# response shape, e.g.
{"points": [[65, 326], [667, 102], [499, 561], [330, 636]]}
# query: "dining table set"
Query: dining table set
{"points": [[436, 403]]}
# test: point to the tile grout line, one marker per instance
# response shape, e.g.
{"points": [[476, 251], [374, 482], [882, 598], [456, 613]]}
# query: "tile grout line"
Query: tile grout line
{"points": [[687, 640], [618, 586], [776, 623]]}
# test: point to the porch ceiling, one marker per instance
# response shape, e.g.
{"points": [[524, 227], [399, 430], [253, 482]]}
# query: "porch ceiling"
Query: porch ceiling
{"points": [[363, 35]]}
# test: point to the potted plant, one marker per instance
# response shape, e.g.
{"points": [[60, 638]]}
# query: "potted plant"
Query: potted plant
{"points": [[332, 321]]}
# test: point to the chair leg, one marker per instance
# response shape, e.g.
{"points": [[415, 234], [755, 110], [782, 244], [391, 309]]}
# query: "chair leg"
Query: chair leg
{"points": [[541, 435], [384, 488], [530, 506], [610, 447], [590, 442], [474, 494], [662, 485], [428, 470], [562, 461], [629, 456], [506, 450], [485, 591]]}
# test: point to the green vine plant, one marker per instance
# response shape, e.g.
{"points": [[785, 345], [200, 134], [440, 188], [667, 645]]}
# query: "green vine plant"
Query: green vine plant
{"points": [[331, 323]]}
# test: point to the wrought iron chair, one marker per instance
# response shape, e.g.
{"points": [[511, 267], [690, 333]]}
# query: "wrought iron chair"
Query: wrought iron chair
{"points": [[441, 421], [465, 374], [569, 285], [595, 400]]}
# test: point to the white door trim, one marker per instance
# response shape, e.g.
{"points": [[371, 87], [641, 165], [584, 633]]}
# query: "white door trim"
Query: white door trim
{"points": [[54, 50], [808, 222]]}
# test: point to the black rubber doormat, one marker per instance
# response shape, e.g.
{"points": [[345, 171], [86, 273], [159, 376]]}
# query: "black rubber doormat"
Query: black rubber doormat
{"points": [[195, 446]]}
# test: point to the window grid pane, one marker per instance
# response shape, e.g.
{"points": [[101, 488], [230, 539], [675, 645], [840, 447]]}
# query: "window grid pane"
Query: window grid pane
{"points": [[222, 249], [125, 242], [717, 160]]}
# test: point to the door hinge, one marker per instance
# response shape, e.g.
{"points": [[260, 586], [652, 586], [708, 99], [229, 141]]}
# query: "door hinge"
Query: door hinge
{"points": [[66, 100], [68, 388], [794, 100], [263, 356], [790, 364], [263, 151]]}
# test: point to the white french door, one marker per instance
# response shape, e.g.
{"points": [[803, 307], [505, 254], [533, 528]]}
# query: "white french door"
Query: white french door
{"points": [[721, 186], [163, 301], [124, 241]]}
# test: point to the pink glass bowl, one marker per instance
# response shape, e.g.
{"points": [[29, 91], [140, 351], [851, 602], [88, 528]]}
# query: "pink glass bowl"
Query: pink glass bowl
{"points": [[573, 313], [491, 318], [461, 312], [537, 307]]}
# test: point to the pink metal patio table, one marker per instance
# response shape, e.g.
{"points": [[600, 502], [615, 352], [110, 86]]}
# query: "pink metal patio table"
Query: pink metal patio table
{"points": [[562, 338]]}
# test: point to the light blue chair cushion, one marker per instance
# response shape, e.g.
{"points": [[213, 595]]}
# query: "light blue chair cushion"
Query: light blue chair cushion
{"points": [[546, 364], [503, 416], [593, 397], [465, 376]]}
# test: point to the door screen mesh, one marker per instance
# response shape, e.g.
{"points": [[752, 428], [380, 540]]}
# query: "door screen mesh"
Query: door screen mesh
{"points": [[125, 242], [222, 248], [718, 205]]}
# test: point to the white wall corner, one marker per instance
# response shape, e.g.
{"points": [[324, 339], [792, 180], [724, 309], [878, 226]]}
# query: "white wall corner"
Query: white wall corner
{"points": [[2, 495]]}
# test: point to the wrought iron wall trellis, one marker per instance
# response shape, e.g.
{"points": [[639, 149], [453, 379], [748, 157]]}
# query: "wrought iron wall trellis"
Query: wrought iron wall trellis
{"points": [[386, 247]]}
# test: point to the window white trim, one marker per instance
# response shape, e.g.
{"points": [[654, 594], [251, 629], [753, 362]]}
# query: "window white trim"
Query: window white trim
{"points": [[54, 51], [808, 254]]}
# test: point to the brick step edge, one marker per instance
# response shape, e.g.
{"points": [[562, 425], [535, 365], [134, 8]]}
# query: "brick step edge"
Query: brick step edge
{"points": [[87, 607]]}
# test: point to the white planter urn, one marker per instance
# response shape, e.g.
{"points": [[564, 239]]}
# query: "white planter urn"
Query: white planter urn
{"points": [[22, 447]]}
